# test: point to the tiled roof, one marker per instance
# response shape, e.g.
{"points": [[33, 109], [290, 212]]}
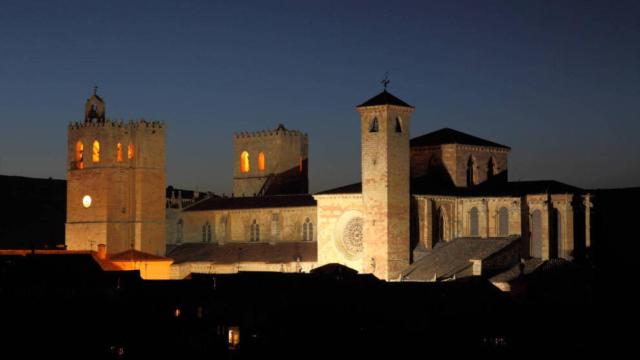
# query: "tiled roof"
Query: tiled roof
{"points": [[355, 188], [232, 253], [135, 255], [384, 98], [450, 136], [511, 189], [253, 202], [452, 257]]}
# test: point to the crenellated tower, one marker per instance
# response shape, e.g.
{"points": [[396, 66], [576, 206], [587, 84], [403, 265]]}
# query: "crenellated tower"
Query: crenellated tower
{"points": [[384, 128], [270, 162], [115, 183]]}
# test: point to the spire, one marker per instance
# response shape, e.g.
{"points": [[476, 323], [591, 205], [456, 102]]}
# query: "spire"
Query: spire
{"points": [[94, 108]]}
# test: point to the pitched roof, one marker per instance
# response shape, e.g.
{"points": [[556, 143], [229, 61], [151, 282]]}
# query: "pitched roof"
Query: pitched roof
{"points": [[355, 188], [454, 256], [451, 136], [232, 253], [135, 255], [508, 189], [253, 202], [384, 98]]}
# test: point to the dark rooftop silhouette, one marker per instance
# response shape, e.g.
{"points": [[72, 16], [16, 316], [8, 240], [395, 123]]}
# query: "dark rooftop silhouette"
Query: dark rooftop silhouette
{"points": [[451, 136]]}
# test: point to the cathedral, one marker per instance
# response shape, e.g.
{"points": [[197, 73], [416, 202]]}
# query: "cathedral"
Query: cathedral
{"points": [[429, 208]]}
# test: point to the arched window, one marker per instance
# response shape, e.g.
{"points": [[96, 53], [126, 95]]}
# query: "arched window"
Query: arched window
{"points": [[374, 125], [96, 152], [473, 222], [503, 222], [130, 152], [301, 165], [244, 162], [275, 224], [255, 231], [398, 125], [179, 231], [223, 227], [206, 232], [119, 152], [79, 155], [261, 165], [536, 234], [438, 226], [470, 175], [555, 234], [307, 230], [491, 168]]}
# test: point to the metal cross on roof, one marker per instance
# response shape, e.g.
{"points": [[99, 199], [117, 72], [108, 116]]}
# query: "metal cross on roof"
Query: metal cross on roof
{"points": [[386, 80]]}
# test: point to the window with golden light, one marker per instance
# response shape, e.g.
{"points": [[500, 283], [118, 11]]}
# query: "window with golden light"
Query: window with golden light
{"points": [[261, 161], [130, 152], [244, 162], [79, 155], [119, 152], [96, 152]]}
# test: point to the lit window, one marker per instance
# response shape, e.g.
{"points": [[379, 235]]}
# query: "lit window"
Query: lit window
{"points": [[119, 152], [96, 151], [244, 162], [261, 161], [130, 152], [86, 201], [307, 230], [79, 155], [255, 231], [234, 337]]}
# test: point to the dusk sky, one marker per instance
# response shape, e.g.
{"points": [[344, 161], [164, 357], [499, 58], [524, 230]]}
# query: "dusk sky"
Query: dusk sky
{"points": [[558, 81]]}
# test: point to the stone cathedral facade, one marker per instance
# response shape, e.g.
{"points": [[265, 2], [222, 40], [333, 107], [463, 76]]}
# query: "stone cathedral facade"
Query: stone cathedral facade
{"points": [[428, 208]]}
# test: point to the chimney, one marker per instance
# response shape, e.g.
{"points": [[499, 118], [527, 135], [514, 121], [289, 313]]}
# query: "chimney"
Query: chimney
{"points": [[102, 251]]}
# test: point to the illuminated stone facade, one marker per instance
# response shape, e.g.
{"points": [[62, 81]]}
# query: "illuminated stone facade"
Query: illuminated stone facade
{"points": [[124, 176]]}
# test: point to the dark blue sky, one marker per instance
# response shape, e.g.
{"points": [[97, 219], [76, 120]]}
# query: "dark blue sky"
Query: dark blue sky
{"points": [[558, 81]]}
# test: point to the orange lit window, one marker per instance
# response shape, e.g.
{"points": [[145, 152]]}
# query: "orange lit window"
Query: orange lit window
{"points": [[119, 152], [300, 167], [130, 152], [244, 162], [96, 151], [79, 155], [234, 337], [261, 161]]}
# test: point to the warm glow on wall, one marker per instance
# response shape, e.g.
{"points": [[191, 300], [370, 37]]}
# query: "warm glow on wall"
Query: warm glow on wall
{"points": [[79, 155], [244, 162], [96, 151], [261, 165], [86, 201], [234, 337], [119, 152], [130, 152]]}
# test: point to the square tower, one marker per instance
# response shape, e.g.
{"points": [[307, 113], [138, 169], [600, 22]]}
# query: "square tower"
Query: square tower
{"points": [[384, 128], [270, 162], [115, 183]]}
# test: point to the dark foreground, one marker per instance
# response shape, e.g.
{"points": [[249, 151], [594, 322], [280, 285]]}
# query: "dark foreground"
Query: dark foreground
{"points": [[65, 306]]}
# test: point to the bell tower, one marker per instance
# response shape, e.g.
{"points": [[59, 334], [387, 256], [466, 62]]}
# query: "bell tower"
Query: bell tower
{"points": [[115, 183], [385, 157]]}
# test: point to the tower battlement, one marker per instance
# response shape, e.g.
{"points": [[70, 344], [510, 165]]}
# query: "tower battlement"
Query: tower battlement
{"points": [[279, 131], [131, 124]]}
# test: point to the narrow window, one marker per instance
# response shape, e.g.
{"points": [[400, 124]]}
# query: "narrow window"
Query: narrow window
{"points": [[209, 233], [470, 174], [503, 222], [398, 125], [179, 229], [301, 165], [119, 152], [244, 162], [275, 221], [206, 232], [255, 231], [96, 151], [473, 222], [261, 161], [79, 155], [374, 125], [223, 227], [130, 152], [307, 230], [491, 168]]}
